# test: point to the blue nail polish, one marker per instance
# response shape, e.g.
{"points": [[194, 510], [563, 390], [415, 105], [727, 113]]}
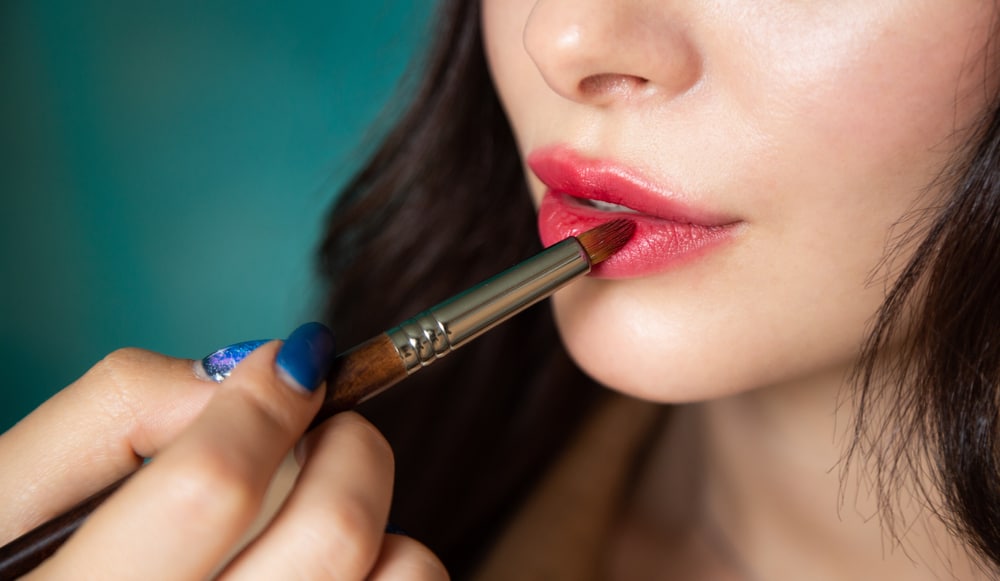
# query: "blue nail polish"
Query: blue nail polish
{"points": [[220, 364], [307, 354], [391, 529]]}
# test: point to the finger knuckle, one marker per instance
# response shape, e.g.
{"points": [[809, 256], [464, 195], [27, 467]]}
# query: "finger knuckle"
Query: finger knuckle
{"points": [[415, 562], [122, 360], [213, 490], [111, 381], [344, 538]]}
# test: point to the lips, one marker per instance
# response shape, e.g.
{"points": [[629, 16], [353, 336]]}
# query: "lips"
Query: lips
{"points": [[583, 193]]}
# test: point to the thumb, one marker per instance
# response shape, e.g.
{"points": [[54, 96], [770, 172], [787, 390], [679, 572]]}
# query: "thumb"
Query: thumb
{"points": [[199, 495]]}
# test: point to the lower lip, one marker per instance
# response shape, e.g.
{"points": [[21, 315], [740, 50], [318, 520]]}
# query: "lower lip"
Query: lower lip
{"points": [[657, 244]]}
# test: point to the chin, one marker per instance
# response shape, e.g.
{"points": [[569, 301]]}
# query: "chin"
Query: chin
{"points": [[665, 353], [658, 366]]}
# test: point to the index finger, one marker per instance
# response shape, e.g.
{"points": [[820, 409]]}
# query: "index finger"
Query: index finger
{"points": [[93, 432], [185, 511]]}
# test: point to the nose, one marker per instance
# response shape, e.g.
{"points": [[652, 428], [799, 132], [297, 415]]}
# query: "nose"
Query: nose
{"points": [[603, 52]]}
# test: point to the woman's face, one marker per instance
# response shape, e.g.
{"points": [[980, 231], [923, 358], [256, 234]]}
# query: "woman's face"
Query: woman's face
{"points": [[770, 146]]}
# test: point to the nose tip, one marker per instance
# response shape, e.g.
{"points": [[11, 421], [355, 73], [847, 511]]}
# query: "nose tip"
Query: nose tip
{"points": [[601, 53]]}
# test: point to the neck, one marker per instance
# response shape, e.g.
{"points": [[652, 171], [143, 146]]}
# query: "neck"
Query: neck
{"points": [[774, 500]]}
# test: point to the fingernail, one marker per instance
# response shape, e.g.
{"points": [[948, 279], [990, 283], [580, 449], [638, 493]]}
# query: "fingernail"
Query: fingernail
{"points": [[306, 356], [218, 365]]}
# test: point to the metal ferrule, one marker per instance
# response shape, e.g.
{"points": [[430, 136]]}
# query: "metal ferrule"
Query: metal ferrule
{"points": [[439, 330]]}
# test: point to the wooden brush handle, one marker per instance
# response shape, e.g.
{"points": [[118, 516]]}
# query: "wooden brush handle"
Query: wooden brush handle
{"points": [[356, 375], [363, 372], [26, 552]]}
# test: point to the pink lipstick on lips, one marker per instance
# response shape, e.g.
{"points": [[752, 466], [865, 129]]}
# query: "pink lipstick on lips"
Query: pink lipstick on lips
{"points": [[583, 193]]}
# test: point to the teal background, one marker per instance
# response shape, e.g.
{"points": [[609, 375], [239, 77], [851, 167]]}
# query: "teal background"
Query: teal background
{"points": [[165, 167]]}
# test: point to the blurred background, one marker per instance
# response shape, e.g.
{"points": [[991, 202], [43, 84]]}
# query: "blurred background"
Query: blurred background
{"points": [[165, 168]]}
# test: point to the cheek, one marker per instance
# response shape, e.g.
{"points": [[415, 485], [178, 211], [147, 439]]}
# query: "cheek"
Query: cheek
{"points": [[512, 71], [885, 99], [694, 336], [854, 142], [844, 145]]}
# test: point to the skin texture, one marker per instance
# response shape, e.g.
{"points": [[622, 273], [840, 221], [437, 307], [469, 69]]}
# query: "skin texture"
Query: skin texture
{"points": [[819, 127], [217, 447]]}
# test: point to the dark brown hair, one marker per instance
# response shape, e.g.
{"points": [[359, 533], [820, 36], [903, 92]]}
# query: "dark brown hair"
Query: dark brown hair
{"points": [[443, 204], [927, 379]]}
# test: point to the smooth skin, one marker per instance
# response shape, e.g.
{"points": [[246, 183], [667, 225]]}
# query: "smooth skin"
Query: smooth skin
{"points": [[217, 448], [815, 126], [819, 127]]}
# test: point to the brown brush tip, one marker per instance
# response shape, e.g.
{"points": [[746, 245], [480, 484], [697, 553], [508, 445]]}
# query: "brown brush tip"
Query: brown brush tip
{"points": [[603, 241]]}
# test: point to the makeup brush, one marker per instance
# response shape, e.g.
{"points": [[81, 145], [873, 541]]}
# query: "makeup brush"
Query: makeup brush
{"points": [[388, 358]]}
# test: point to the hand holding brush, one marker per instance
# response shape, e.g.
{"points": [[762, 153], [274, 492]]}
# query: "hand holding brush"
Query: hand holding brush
{"points": [[240, 436]]}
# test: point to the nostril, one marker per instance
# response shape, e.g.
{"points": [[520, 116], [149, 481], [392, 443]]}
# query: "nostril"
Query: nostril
{"points": [[611, 84]]}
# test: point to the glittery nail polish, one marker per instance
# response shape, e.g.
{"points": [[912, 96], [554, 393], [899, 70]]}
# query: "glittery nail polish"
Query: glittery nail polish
{"points": [[218, 365]]}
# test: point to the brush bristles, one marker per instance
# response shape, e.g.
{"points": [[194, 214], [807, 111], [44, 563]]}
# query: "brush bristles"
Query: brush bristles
{"points": [[603, 241]]}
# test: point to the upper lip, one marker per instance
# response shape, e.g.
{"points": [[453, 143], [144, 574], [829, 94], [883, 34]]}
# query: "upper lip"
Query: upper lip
{"points": [[564, 171]]}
